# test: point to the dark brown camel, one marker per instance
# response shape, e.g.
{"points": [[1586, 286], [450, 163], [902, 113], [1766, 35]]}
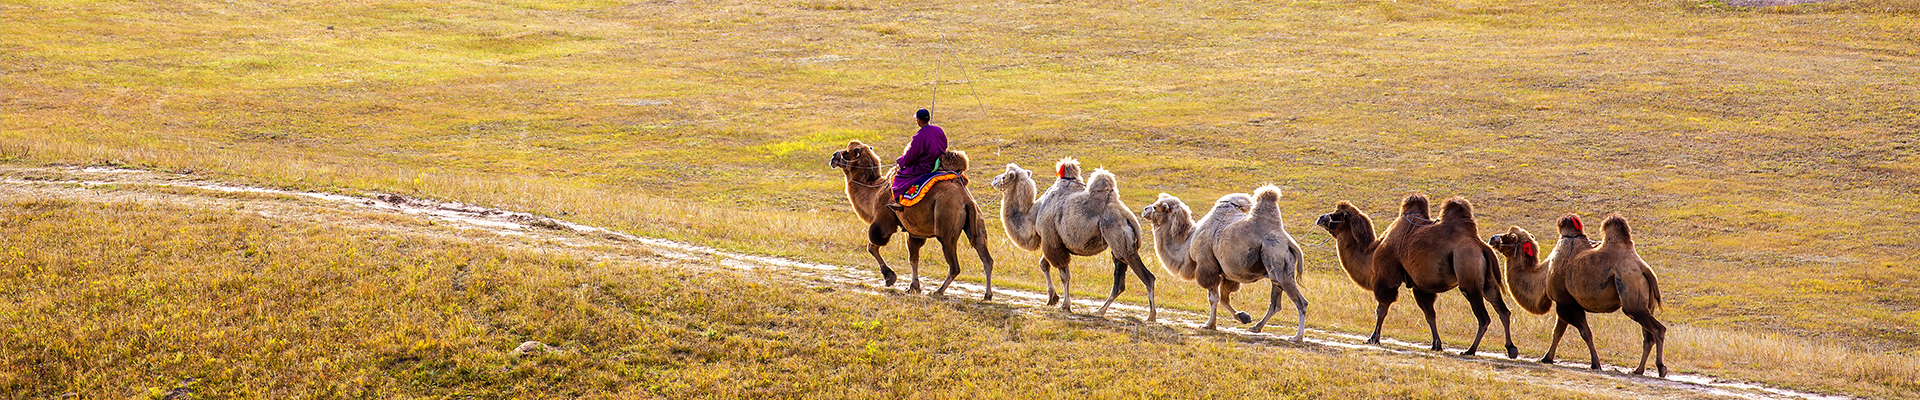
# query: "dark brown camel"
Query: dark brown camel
{"points": [[946, 214], [1583, 278], [1427, 256]]}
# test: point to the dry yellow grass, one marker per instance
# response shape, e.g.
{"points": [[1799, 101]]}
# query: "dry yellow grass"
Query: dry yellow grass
{"points": [[1765, 156], [131, 300]]}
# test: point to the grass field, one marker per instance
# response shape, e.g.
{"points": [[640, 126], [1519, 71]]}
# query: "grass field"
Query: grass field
{"points": [[136, 299], [1765, 156]]}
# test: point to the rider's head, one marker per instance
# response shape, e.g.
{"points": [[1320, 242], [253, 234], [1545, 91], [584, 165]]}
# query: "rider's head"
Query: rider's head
{"points": [[922, 116]]}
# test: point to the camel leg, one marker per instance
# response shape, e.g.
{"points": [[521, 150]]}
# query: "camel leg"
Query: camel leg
{"points": [[1060, 259], [1425, 300], [1046, 273], [1066, 288], [1119, 284], [1653, 336], [1273, 306], [878, 234], [913, 259], [1386, 296], [1300, 304], [885, 272], [1506, 321], [1578, 318], [1386, 290], [1559, 329], [1146, 277], [1213, 306], [986, 262], [1479, 314], [1227, 288], [953, 263]]}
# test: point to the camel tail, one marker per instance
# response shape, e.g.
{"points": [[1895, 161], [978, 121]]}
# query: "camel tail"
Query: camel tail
{"points": [[1494, 277], [1616, 229], [1281, 257], [1266, 202], [1457, 209], [975, 227], [1653, 286], [1067, 168]]}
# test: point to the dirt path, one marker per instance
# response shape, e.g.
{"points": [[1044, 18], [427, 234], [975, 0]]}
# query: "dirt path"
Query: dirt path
{"points": [[523, 230]]}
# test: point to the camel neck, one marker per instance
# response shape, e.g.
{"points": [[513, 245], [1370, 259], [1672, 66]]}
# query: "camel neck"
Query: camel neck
{"points": [[1527, 280], [867, 189], [1016, 213]]}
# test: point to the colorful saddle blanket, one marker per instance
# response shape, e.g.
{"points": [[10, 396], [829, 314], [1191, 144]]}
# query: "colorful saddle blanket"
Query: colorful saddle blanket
{"points": [[919, 189]]}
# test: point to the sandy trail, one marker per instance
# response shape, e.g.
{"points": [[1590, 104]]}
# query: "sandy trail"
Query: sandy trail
{"points": [[523, 230]]}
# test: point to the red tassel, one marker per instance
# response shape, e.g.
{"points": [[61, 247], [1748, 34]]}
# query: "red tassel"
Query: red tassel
{"points": [[1528, 247], [1577, 226], [1060, 171]]}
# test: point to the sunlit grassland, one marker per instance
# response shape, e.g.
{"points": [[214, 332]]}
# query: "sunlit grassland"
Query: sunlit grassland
{"points": [[1766, 157], [130, 300]]}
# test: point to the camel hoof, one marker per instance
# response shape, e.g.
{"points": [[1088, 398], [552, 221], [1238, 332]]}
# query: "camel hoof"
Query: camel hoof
{"points": [[1373, 340], [1513, 352], [1640, 371], [1547, 360], [890, 277], [1256, 329], [988, 297], [1208, 327], [1663, 371], [1595, 366], [1052, 300], [1468, 352], [1243, 317], [1299, 338], [1151, 317]]}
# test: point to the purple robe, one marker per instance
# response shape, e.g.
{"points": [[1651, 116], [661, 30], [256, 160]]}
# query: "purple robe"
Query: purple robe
{"points": [[918, 159]]}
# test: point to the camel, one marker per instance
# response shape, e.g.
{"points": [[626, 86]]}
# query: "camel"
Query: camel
{"points": [[1231, 246], [1580, 277], [1074, 219], [1426, 255], [948, 213]]}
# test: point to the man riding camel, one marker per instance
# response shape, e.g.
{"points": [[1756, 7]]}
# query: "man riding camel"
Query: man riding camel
{"points": [[919, 158]]}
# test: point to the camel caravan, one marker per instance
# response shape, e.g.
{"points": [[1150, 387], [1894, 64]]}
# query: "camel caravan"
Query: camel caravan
{"points": [[1242, 240]]}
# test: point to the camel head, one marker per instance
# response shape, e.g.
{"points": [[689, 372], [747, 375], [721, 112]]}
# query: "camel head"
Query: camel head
{"points": [[1515, 242], [1570, 226], [1344, 217], [857, 155], [1161, 212], [1014, 175]]}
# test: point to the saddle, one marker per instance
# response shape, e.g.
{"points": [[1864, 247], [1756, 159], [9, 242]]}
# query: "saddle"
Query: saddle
{"points": [[951, 165]]}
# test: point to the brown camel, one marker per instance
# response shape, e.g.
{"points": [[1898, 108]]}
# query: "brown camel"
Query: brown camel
{"points": [[1231, 246], [946, 214], [1583, 278], [1428, 256], [1074, 219]]}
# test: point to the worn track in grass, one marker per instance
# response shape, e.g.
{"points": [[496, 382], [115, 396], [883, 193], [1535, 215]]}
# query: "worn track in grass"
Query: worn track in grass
{"points": [[523, 229]]}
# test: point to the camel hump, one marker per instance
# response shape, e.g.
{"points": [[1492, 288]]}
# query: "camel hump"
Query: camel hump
{"points": [[954, 160], [1266, 201], [1616, 230], [1067, 168], [1415, 204], [1457, 209], [1102, 183]]}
